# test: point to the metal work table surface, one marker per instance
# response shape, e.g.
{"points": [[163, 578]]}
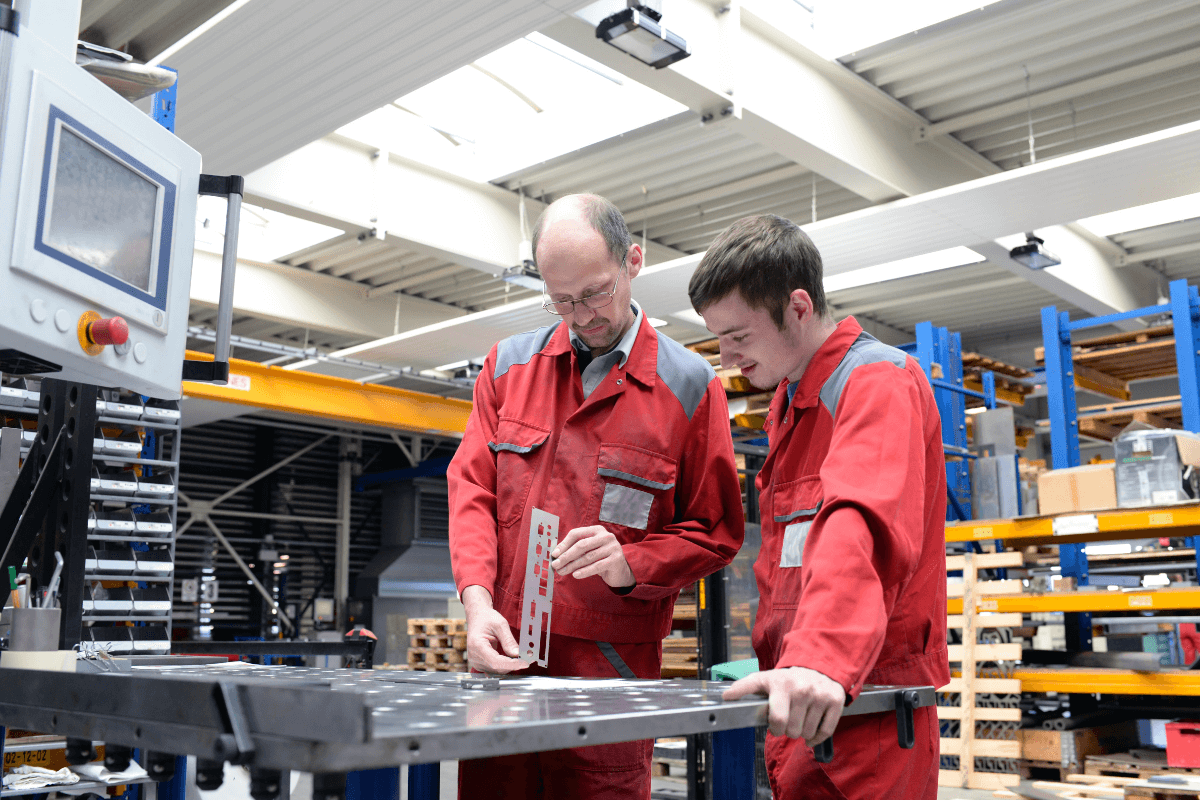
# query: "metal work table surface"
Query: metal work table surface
{"points": [[339, 720]]}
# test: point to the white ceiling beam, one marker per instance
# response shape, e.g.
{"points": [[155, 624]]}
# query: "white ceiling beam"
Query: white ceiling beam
{"points": [[813, 111], [334, 181], [1069, 91], [276, 75], [305, 299], [1087, 278], [1037, 197], [1160, 252], [780, 94]]}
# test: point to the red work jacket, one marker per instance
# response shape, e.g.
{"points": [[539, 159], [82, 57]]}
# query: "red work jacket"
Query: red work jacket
{"points": [[852, 571], [648, 455]]}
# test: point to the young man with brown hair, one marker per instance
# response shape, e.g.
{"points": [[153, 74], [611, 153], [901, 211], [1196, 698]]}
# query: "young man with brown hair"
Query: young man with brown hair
{"points": [[851, 574]]}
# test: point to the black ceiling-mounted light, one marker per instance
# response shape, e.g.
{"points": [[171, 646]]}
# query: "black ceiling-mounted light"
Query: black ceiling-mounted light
{"points": [[638, 31], [1033, 255]]}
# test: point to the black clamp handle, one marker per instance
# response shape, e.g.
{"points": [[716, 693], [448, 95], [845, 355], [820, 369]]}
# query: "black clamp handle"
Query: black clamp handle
{"points": [[906, 734], [906, 701]]}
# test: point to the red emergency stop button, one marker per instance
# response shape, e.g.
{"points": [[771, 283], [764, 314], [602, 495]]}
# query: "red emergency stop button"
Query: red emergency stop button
{"points": [[108, 331], [96, 333]]}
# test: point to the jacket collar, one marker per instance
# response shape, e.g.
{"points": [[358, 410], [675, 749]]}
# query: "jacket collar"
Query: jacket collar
{"points": [[823, 363], [641, 362]]}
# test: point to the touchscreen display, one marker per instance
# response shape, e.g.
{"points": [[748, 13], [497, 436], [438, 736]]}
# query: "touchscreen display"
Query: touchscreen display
{"points": [[101, 212]]}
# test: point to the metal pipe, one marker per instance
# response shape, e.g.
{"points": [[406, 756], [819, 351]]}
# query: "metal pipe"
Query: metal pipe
{"points": [[228, 267], [250, 574], [341, 575]]}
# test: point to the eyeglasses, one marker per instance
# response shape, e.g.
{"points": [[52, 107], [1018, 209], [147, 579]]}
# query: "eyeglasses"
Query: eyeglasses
{"points": [[593, 301]]}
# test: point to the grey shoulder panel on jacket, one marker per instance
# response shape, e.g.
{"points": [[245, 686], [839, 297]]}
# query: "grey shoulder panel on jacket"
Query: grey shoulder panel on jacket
{"points": [[685, 373], [521, 348], [865, 350]]}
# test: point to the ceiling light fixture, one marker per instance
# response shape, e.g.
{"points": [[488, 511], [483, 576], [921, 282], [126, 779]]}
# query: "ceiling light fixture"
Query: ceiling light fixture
{"points": [[524, 274], [1033, 255], [638, 31]]}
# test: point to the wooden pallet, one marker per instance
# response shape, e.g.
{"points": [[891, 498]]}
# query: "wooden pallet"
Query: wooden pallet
{"points": [[456, 641], [1107, 364], [433, 657], [966, 746], [1106, 421], [438, 626], [1104, 787], [1147, 764]]}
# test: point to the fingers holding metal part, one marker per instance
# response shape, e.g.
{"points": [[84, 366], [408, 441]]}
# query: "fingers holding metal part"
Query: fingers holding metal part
{"points": [[490, 644], [593, 550], [801, 703]]}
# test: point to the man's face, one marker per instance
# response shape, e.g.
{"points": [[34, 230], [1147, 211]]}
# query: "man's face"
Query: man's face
{"points": [[751, 340], [575, 262]]}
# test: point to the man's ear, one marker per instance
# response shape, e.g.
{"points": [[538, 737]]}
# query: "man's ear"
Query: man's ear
{"points": [[800, 305], [635, 260]]}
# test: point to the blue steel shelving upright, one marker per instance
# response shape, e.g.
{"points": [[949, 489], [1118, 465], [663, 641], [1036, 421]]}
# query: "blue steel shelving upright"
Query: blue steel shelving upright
{"points": [[1057, 327], [936, 345]]}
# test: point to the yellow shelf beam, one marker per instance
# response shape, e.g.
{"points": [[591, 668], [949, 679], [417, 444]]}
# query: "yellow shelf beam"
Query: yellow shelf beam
{"points": [[1141, 600], [292, 391], [1109, 681], [1125, 523]]}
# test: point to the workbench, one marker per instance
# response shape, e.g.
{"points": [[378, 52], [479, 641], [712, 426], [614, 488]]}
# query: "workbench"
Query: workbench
{"points": [[331, 722]]}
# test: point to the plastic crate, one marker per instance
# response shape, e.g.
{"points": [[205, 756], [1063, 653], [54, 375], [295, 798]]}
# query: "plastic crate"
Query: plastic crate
{"points": [[1183, 743]]}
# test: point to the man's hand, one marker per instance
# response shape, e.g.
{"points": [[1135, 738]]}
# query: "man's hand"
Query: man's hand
{"points": [[593, 551], [490, 643], [802, 703]]}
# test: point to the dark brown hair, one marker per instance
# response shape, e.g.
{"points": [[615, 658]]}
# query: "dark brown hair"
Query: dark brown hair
{"points": [[765, 258]]}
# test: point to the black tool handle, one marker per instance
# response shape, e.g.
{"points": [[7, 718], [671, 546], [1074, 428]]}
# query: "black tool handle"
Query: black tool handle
{"points": [[823, 752]]}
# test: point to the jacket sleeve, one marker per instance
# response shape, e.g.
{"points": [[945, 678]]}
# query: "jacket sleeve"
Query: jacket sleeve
{"points": [[865, 542], [709, 523], [471, 484]]}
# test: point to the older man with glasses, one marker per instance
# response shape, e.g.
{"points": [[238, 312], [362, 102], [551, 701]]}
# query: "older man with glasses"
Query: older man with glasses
{"points": [[624, 435]]}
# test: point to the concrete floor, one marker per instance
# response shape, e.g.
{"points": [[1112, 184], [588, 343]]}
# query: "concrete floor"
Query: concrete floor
{"points": [[237, 787]]}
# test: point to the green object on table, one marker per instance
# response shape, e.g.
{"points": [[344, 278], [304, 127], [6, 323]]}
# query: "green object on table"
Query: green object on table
{"points": [[734, 670]]}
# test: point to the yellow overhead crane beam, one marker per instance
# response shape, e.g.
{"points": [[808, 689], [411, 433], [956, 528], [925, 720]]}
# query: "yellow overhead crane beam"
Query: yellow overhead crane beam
{"points": [[1123, 523], [309, 394]]}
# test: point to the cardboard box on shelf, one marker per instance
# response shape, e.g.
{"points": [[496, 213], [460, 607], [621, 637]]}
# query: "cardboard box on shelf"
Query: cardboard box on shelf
{"points": [[1091, 487], [1155, 466]]}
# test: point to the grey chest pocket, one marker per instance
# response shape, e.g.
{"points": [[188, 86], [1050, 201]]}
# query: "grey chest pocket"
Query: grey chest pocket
{"points": [[624, 505], [794, 536]]}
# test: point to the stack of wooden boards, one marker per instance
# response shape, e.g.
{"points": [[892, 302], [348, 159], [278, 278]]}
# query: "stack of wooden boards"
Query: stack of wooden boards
{"points": [[1106, 364], [437, 645]]}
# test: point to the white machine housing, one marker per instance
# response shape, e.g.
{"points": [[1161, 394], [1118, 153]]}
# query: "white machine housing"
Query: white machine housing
{"points": [[97, 213]]}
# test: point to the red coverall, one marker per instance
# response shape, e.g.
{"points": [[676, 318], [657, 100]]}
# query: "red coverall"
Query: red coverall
{"points": [[854, 488], [647, 455]]}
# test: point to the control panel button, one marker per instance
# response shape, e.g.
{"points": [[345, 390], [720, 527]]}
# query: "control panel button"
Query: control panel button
{"points": [[108, 331], [140, 352], [62, 320], [38, 310]]}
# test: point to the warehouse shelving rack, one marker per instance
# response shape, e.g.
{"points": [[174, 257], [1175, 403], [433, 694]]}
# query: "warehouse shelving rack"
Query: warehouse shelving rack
{"points": [[131, 506], [1184, 307]]}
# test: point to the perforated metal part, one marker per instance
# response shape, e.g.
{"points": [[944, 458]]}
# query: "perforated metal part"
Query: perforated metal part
{"points": [[538, 598]]}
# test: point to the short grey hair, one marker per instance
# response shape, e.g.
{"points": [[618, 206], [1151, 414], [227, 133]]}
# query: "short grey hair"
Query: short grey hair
{"points": [[601, 216]]}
